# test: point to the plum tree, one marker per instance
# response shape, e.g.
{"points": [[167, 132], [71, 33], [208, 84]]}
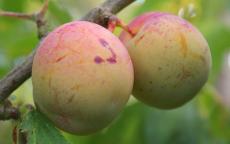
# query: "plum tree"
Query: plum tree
{"points": [[82, 77], [171, 59]]}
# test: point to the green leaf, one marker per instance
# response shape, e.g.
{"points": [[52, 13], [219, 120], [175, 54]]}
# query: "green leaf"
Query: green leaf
{"points": [[40, 130]]}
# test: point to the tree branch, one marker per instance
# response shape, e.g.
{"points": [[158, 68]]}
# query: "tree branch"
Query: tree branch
{"points": [[15, 78], [22, 72], [17, 15], [102, 13], [7, 111], [40, 21], [114, 6], [38, 18]]}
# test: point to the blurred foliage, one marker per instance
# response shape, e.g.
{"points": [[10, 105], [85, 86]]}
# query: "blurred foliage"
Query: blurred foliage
{"points": [[205, 120]]}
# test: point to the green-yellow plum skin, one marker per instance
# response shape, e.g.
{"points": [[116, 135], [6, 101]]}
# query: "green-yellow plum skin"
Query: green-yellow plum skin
{"points": [[82, 77], [171, 59]]}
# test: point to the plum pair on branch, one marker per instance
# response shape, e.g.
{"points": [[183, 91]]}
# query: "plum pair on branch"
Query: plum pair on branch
{"points": [[22, 72]]}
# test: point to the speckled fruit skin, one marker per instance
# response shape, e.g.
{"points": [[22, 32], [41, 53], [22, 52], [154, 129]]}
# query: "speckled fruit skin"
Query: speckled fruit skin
{"points": [[171, 59], [82, 77]]}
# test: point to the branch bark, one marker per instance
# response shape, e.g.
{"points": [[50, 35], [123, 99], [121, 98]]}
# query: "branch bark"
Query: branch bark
{"points": [[17, 15], [22, 72], [15, 77], [7, 111]]}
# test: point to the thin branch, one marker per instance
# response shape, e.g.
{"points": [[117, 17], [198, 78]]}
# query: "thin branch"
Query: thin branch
{"points": [[102, 13], [22, 72], [44, 9], [7, 111], [40, 21], [38, 18], [32, 17], [17, 15]]}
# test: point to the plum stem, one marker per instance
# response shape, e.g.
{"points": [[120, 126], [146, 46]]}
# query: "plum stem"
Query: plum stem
{"points": [[114, 22]]}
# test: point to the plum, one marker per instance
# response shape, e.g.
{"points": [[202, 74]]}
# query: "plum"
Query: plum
{"points": [[171, 59], [82, 77]]}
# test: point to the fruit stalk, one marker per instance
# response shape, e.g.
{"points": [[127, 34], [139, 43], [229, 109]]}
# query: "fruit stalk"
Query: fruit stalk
{"points": [[114, 22]]}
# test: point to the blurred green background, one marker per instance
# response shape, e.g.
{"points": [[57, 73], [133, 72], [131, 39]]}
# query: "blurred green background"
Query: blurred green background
{"points": [[204, 120]]}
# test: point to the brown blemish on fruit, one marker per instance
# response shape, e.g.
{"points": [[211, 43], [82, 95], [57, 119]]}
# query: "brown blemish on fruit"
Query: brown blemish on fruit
{"points": [[185, 74], [49, 82], [103, 82], [76, 87], [70, 99], [74, 51], [156, 30], [184, 47], [56, 97], [43, 77], [49, 78], [80, 61], [60, 58], [198, 56], [139, 39], [63, 119], [159, 68], [182, 76]]}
